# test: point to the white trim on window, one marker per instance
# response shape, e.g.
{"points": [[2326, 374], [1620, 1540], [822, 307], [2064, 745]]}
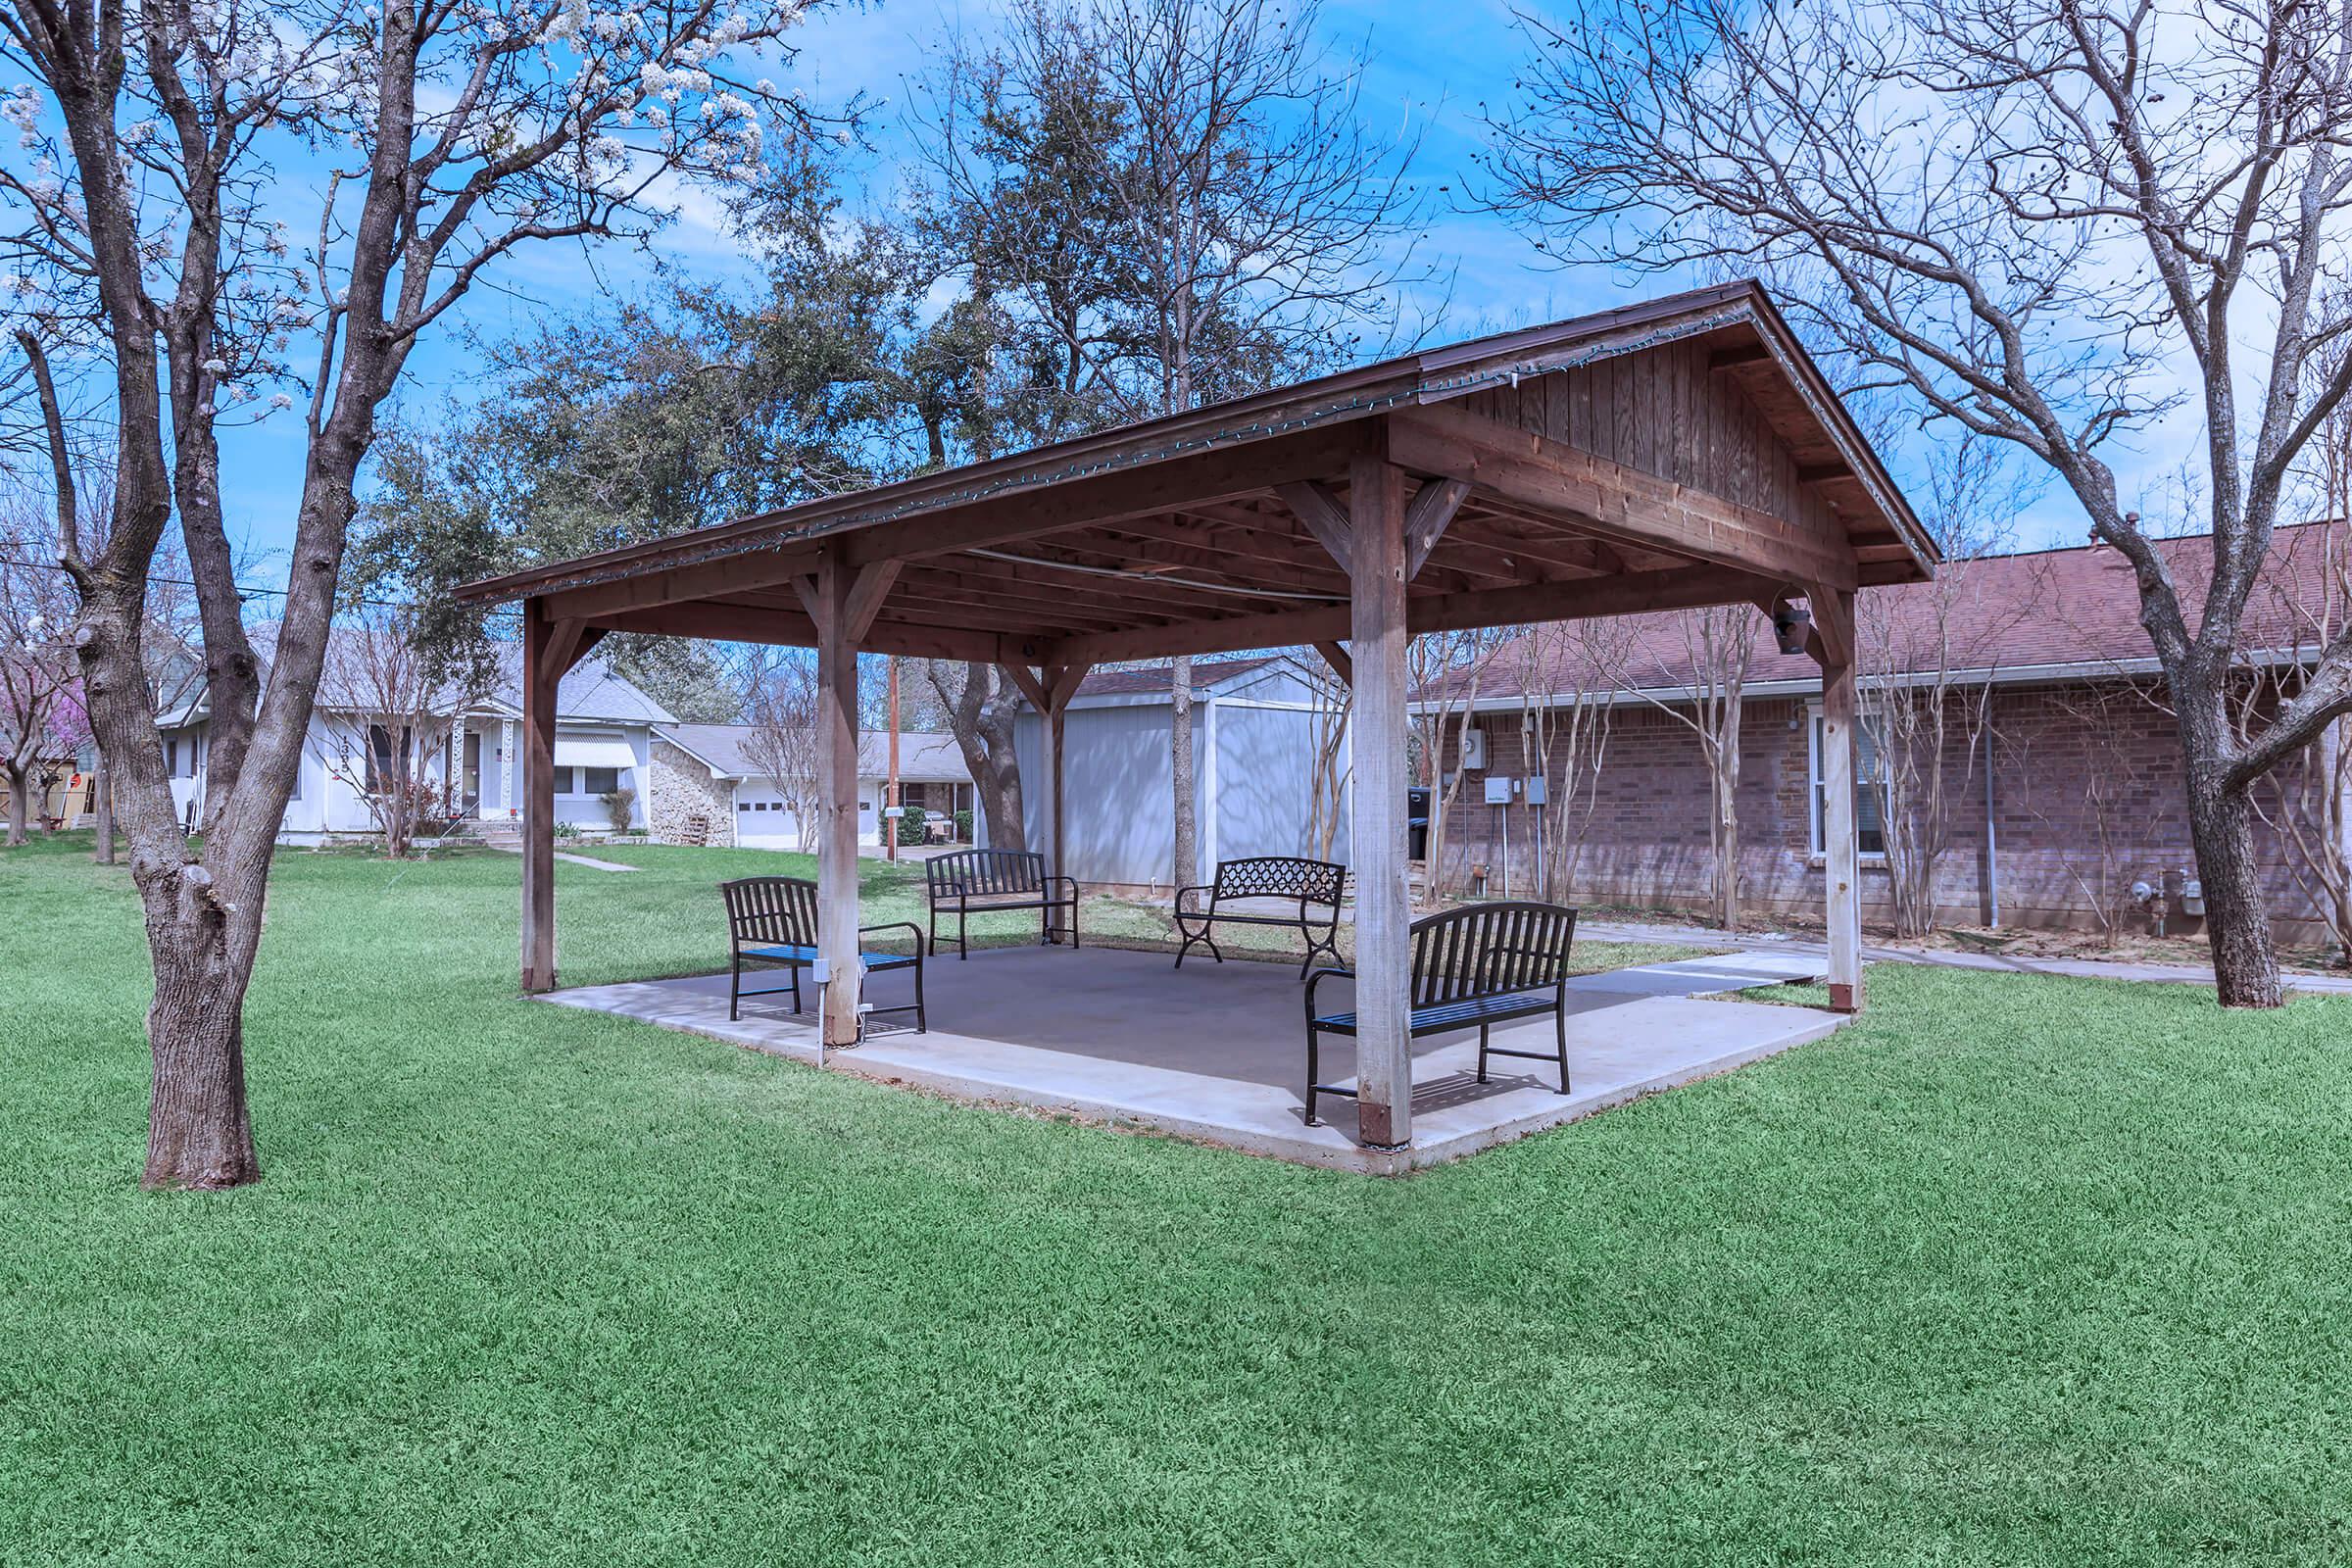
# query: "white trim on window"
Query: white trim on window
{"points": [[1816, 852]]}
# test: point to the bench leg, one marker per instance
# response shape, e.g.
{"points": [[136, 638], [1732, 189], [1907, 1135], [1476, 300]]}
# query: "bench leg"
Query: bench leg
{"points": [[735, 989], [922, 1018], [1197, 938], [1485, 1034], [1559, 1023], [1312, 1076], [796, 989]]}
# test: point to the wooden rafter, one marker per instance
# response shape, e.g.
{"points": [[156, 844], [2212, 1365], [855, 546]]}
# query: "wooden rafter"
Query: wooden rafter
{"points": [[1426, 518], [1322, 515]]}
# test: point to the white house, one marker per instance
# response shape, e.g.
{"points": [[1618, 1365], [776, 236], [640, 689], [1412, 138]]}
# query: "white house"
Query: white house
{"points": [[714, 766], [603, 736]]}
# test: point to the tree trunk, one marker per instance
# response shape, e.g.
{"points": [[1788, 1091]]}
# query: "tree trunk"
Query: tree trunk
{"points": [[19, 804], [1187, 867], [102, 786], [2237, 921], [982, 726], [199, 1132], [1727, 868]]}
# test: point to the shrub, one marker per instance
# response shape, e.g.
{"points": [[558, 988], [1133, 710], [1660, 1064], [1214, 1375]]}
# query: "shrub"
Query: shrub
{"points": [[963, 826], [616, 808], [912, 826]]}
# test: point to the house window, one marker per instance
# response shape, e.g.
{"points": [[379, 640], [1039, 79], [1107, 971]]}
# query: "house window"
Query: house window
{"points": [[1870, 790], [386, 765], [171, 757], [587, 782]]}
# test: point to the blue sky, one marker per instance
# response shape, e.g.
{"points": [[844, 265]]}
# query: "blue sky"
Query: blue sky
{"points": [[1434, 68]]}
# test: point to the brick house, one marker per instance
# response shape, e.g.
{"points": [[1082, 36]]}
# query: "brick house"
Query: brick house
{"points": [[2062, 773]]}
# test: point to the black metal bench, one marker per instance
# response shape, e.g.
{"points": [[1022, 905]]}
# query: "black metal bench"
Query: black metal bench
{"points": [[973, 882], [1265, 876], [1472, 967], [772, 921]]}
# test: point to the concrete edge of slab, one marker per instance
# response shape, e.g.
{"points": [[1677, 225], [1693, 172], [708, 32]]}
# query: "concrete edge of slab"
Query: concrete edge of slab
{"points": [[1304, 1149]]}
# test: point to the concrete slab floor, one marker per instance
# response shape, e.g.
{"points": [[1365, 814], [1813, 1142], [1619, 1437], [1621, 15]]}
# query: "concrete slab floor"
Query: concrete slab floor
{"points": [[1216, 1052]]}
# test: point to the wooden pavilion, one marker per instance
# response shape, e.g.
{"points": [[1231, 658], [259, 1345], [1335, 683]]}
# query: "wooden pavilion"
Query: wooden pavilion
{"points": [[1675, 454]]}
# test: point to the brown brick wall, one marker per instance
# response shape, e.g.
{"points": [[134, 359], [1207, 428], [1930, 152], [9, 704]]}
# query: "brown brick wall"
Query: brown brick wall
{"points": [[2087, 798]]}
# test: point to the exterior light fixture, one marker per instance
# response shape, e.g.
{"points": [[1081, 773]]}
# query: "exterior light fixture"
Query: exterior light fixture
{"points": [[1789, 624]]}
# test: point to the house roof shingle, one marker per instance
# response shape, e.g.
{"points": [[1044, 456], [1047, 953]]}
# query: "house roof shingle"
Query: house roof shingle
{"points": [[2047, 609], [924, 758], [1160, 678], [590, 692]]}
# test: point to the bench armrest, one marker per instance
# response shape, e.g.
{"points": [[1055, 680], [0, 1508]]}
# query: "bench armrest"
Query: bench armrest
{"points": [[1317, 978], [908, 926], [1204, 886]]}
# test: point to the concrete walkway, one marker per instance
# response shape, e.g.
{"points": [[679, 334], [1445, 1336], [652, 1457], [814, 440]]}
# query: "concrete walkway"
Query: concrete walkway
{"points": [[2018, 964], [1216, 1051], [588, 860]]}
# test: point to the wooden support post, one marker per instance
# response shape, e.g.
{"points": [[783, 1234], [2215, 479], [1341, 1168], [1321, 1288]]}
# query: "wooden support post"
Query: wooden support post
{"points": [[836, 796], [1834, 619], [1050, 690], [1334, 654], [1061, 683], [1375, 647], [538, 741]]}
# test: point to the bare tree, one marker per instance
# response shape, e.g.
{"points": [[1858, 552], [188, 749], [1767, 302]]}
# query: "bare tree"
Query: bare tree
{"points": [[2028, 220], [981, 707], [385, 725], [1929, 654], [40, 709], [145, 230], [2048, 224], [780, 707], [1445, 670], [1718, 645], [1569, 675], [2309, 801], [1329, 765]]}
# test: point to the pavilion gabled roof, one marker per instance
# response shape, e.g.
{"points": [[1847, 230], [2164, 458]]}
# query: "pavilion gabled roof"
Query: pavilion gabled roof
{"points": [[1679, 450]]}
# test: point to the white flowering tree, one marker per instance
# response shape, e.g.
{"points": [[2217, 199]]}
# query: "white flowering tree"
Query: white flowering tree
{"points": [[169, 275]]}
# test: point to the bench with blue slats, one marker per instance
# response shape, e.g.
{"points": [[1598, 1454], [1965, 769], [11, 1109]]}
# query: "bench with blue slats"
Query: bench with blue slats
{"points": [[772, 921], [1472, 968]]}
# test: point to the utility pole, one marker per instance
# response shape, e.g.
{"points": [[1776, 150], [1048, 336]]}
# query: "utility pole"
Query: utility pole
{"points": [[891, 818]]}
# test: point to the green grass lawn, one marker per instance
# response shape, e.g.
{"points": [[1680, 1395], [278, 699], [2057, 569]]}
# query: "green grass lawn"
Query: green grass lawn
{"points": [[2019, 1270]]}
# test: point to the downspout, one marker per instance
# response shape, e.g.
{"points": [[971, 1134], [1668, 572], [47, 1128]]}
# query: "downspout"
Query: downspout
{"points": [[1993, 848]]}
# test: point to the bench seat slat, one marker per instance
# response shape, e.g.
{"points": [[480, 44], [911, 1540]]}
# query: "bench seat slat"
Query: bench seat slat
{"points": [[1454, 1015], [793, 955]]}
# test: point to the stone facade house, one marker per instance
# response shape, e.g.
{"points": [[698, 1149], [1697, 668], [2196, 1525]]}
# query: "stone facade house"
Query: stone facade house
{"points": [[713, 773], [2061, 768]]}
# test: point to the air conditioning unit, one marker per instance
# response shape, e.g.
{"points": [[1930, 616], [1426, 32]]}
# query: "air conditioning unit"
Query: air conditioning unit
{"points": [[1474, 748]]}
